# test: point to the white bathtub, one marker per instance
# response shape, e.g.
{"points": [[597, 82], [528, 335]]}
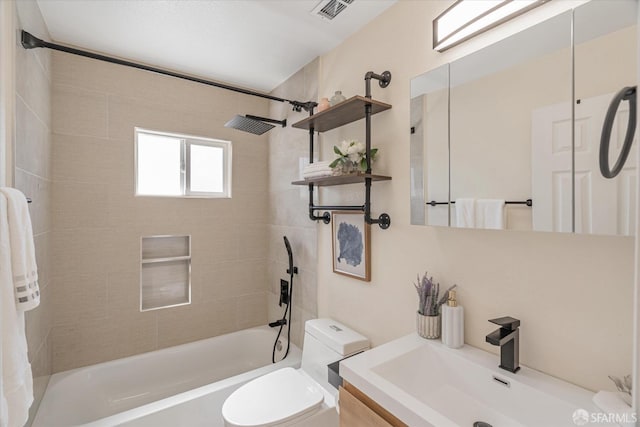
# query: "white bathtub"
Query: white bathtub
{"points": [[159, 388]]}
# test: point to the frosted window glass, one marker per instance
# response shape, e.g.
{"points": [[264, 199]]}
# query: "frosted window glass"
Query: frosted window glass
{"points": [[159, 165], [207, 169]]}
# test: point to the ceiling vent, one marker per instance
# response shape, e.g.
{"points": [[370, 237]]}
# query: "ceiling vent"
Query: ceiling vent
{"points": [[329, 9]]}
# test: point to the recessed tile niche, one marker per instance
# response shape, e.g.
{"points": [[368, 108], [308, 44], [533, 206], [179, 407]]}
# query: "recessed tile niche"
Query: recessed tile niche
{"points": [[165, 271]]}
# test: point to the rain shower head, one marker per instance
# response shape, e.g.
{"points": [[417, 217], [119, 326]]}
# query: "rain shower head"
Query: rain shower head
{"points": [[253, 124]]}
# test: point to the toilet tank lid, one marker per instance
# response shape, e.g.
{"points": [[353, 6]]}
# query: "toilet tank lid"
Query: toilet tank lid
{"points": [[336, 336]]}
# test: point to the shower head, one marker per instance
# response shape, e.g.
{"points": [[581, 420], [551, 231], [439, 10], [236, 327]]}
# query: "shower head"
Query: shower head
{"points": [[253, 124], [291, 269]]}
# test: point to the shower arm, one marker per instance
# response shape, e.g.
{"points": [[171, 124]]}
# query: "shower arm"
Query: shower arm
{"points": [[29, 41]]}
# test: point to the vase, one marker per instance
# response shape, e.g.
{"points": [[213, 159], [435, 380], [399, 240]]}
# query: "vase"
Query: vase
{"points": [[337, 98], [323, 104], [428, 326], [349, 168]]}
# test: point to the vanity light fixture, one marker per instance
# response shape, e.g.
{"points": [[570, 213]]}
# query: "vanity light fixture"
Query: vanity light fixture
{"points": [[468, 18]]}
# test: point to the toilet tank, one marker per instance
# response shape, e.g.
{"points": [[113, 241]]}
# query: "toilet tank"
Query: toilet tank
{"points": [[326, 341]]}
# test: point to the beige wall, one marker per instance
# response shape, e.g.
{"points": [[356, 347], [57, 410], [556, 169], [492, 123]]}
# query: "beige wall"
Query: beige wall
{"points": [[288, 203], [98, 222], [573, 293], [32, 176]]}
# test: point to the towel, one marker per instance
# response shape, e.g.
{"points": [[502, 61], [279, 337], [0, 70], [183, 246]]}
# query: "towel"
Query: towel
{"points": [[317, 166], [490, 214], [23, 254], [317, 174], [465, 213], [16, 381], [316, 170]]}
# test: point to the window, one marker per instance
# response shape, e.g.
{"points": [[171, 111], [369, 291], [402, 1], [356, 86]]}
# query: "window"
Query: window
{"points": [[173, 165]]}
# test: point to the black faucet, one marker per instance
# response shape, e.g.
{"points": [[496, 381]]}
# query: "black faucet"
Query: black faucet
{"points": [[508, 338]]}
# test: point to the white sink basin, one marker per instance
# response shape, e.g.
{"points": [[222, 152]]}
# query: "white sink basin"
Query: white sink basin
{"points": [[424, 383]]}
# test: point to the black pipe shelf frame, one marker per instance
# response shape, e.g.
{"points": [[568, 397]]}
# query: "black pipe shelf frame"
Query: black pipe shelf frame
{"points": [[349, 111]]}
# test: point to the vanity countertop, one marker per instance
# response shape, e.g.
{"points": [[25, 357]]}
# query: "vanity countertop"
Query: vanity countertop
{"points": [[424, 383]]}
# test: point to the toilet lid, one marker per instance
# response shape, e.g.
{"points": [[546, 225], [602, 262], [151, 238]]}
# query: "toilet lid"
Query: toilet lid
{"points": [[273, 398]]}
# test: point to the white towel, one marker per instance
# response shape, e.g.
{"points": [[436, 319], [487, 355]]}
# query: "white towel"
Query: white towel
{"points": [[490, 214], [23, 254], [313, 167], [465, 213], [317, 174], [16, 381]]}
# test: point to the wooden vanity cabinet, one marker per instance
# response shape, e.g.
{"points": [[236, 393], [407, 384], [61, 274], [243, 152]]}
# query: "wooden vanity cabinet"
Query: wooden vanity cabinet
{"points": [[359, 410]]}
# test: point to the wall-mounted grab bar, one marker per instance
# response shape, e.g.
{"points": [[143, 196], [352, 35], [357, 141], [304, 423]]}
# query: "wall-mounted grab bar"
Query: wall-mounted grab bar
{"points": [[528, 202]]}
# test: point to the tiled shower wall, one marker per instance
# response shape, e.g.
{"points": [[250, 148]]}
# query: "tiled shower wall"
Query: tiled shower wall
{"points": [[288, 213], [32, 176], [98, 222]]}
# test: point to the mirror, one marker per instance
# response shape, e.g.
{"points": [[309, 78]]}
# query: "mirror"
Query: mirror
{"points": [[429, 147], [605, 36], [509, 129]]}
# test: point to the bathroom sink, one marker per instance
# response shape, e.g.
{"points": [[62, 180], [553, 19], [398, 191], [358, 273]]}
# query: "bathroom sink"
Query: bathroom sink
{"points": [[424, 383]]}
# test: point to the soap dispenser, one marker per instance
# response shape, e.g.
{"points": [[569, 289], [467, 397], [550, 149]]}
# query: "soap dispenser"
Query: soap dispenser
{"points": [[452, 322]]}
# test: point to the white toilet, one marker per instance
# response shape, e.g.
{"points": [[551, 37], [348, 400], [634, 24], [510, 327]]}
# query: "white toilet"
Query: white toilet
{"points": [[297, 397]]}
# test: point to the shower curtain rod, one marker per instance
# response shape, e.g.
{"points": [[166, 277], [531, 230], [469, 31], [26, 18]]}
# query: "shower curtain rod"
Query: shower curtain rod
{"points": [[29, 41]]}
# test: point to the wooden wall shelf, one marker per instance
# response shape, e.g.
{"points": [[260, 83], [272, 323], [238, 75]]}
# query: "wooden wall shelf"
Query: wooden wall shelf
{"points": [[327, 181], [341, 114]]}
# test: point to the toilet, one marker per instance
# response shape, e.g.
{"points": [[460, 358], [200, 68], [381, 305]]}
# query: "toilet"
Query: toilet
{"points": [[297, 397]]}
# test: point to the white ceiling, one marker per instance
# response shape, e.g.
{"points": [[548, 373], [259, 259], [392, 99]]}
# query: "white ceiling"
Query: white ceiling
{"points": [[252, 43]]}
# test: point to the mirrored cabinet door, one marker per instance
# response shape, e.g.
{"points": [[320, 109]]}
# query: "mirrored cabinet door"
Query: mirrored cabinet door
{"points": [[605, 63], [511, 134], [521, 121], [430, 147]]}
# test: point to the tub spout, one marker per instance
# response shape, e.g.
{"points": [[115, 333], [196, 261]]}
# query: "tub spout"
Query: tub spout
{"points": [[280, 322]]}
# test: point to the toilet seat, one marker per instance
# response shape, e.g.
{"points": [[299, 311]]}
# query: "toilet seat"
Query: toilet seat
{"points": [[272, 399]]}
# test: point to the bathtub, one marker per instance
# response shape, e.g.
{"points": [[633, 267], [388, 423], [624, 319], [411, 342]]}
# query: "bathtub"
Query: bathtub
{"points": [[160, 388]]}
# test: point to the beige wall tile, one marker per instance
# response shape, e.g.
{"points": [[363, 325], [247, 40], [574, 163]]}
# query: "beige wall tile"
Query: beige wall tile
{"points": [[214, 281], [39, 191], [79, 112], [125, 114], [42, 243], [288, 207], [101, 339], [38, 324], [188, 323], [80, 205], [145, 86], [93, 160], [251, 207], [123, 293], [98, 234], [32, 174], [33, 84], [34, 153], [79, 297], [251, 310], [252, 239]]}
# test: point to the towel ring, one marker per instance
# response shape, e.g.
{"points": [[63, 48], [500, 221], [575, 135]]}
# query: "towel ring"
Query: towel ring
{"points": [[626, 94]]}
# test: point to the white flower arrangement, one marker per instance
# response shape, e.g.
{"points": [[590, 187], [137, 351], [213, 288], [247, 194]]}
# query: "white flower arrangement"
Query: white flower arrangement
{"points": [[352, 152]]}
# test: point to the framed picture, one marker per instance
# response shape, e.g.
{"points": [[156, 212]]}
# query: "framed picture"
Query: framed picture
{"points": [[351, 245]]}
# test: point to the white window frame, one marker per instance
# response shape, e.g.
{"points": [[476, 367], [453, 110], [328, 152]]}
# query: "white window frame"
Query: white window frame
{"points": [[185, 164]]}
